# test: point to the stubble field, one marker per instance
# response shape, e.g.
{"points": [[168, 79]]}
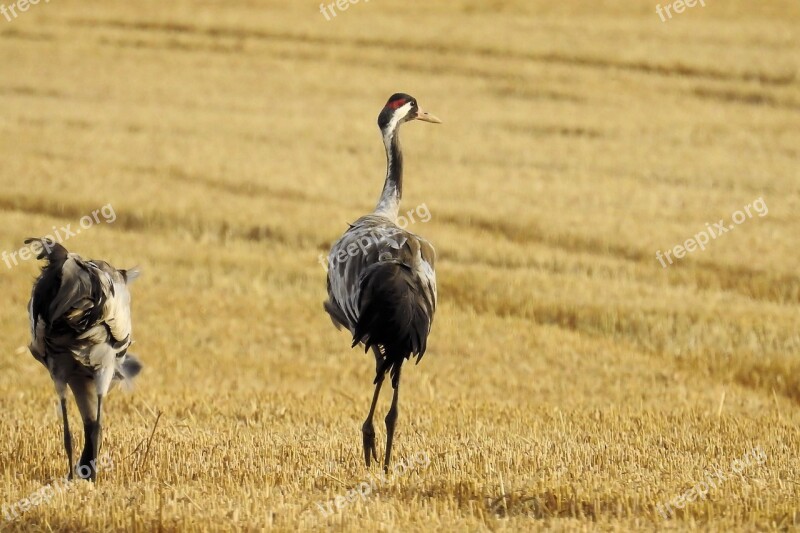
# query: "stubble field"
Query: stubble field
{"points": [[571, 382]]}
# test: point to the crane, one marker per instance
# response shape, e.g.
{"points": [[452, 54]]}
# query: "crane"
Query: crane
{"points": [[381, 278]]}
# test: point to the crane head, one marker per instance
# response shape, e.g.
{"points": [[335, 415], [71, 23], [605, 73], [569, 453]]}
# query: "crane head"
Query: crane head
{"points": [[401, 108]]}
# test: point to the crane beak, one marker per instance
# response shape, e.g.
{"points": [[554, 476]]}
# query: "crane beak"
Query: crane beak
{"points": [[427, 117]]}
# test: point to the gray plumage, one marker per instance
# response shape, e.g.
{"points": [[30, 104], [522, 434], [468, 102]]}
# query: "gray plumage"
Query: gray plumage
{"points": [[80, 320], [382, 288]]}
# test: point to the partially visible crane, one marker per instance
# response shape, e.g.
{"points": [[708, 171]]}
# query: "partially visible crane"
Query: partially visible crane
{"points": [[80, 331]]}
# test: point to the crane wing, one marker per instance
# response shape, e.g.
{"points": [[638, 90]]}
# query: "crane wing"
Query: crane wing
{"points": [[83, 304], [370, 240]]}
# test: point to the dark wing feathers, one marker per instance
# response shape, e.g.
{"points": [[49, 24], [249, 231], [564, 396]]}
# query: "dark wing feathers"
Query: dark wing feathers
{"points": [[80, 299]]}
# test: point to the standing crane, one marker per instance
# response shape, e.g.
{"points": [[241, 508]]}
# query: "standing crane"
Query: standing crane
{"points": [[381, 279], [80, 331]]}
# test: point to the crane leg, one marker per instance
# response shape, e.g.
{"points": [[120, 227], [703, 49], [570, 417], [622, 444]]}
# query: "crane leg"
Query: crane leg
{"points": [[391, 419], [67, 438], [368, 430], [93, 431], [90, 406], [97, 436], [61, 388]]}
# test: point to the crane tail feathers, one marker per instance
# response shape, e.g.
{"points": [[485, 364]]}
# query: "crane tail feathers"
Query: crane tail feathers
{"points": [[393, 314]]}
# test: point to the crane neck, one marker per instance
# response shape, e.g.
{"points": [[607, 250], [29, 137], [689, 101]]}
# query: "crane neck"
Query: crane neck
{"points": [[389, 203]]}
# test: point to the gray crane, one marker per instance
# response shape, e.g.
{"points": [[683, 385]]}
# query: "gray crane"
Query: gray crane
{"points": [[80, 313], [381, 279]]}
